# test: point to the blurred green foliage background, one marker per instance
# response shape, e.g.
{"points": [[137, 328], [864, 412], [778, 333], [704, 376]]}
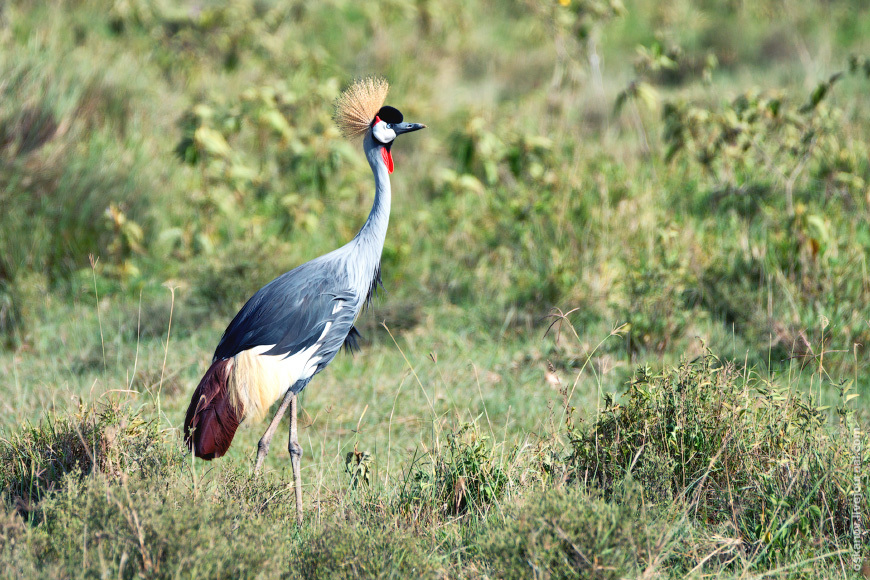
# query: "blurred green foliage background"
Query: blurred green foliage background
{"points": [[675, 176], [693, 169]]}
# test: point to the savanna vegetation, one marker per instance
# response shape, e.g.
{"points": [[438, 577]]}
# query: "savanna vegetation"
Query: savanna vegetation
{"points": [[627, 303]]}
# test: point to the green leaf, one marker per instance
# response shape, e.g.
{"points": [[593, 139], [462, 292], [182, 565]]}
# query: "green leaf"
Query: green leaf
{"points": [[277, 122], [212, 142], [647, 95]]}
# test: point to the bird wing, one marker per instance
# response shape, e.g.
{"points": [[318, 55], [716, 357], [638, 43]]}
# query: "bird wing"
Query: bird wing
{"points": [[310, 304]]}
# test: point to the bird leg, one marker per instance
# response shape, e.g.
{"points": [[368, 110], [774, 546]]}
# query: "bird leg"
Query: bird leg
{"points": [[263, 445], [295, 459]]}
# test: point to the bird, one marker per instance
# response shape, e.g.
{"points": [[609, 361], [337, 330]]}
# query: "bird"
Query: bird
{"points": [[294, 326]]}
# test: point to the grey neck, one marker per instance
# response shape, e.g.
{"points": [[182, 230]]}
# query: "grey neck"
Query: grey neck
{"points": [[363, 253], [374, 232]]}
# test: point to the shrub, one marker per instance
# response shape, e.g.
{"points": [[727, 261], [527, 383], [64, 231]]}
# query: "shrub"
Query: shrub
{"points": [[757, 139], [109, 439], [463, 475], [734, 448], [159, 528]]}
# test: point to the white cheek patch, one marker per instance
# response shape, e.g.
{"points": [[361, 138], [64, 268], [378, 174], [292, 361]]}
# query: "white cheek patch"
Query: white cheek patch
{"points": [[383, 133]]}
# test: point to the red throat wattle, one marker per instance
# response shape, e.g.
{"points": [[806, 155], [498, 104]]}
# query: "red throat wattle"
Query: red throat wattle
{"points": [[385, 153], [388, 158]]}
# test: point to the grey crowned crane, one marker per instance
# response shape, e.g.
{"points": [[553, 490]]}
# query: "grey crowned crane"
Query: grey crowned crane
{"points": [[295, 325]]}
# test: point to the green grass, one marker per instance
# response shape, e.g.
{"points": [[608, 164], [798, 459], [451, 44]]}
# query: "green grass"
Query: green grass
{"points": [[689, 417]]}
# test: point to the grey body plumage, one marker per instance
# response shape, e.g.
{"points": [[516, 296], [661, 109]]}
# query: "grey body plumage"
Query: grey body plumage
{"points": [[292, 311]]}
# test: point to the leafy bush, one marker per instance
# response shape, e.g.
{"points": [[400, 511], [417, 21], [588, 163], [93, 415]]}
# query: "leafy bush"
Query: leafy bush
{"points": [[157, 528], [499, 202], [735, 448], [463, 475], [765, 138], [109, 439], [656, 306]]}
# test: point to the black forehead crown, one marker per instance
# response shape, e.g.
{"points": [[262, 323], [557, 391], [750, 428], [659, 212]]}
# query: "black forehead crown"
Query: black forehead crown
{"points": [[390, 115]]}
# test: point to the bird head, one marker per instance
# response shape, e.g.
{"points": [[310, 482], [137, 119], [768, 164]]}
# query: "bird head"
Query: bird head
{"points": [[359, 110], [386, 126]]}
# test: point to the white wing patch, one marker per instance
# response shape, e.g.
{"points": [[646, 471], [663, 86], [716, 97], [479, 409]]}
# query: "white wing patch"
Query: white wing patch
{"points": [[258, 380]]}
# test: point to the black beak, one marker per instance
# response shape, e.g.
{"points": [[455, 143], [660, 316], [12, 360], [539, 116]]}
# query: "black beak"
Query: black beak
{"points": [[400, 128]]}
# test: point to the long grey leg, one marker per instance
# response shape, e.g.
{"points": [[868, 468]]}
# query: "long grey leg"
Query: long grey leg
{"points": [[263, 445], [295, 459]]}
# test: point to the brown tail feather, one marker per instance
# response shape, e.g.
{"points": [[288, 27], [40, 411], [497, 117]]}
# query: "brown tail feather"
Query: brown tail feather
{"points": [[211, 421]]}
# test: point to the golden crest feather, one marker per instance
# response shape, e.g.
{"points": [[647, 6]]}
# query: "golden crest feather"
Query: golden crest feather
{"points": [[357, 106]]}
